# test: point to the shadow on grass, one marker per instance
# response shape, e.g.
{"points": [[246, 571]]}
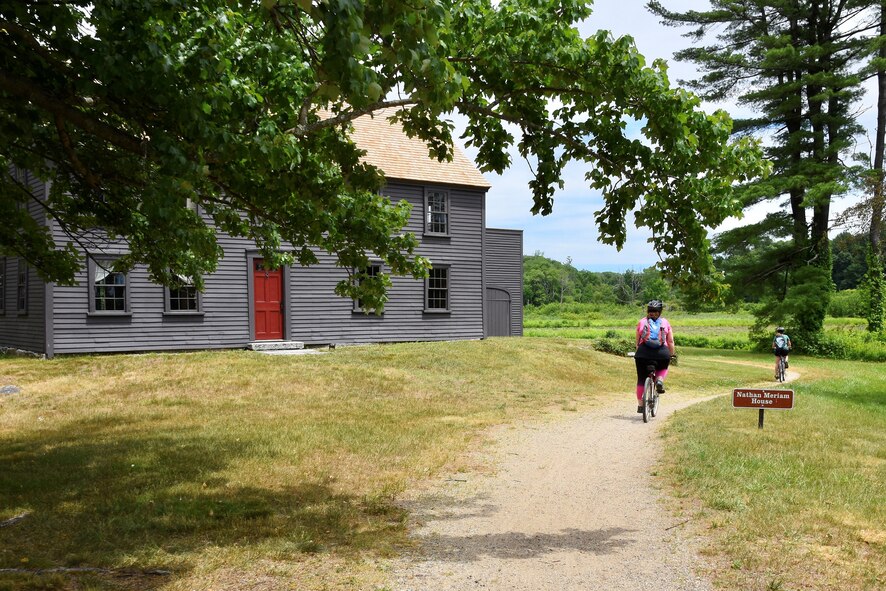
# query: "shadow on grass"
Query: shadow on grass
{"points": [[102, 494], [848, 392]]}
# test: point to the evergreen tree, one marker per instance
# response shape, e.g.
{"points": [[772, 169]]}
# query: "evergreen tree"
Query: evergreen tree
{"points": [[796, 62], [876, 314]]}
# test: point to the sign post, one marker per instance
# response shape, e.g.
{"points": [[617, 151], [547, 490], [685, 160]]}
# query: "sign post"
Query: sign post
{"points": [[762, 399]]}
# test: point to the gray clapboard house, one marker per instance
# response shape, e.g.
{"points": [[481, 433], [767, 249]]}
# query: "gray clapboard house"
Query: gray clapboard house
{"points": [[474, 291]]}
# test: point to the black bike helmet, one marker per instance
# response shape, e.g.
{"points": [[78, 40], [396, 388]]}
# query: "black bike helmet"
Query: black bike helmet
{"points": [[779, 329], [654, 306]]}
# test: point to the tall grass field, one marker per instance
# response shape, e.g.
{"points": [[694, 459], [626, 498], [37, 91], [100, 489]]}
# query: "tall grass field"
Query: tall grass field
{"points": [[845, 338], [236, 470]]}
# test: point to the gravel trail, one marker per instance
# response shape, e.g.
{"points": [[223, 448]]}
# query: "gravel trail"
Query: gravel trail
{"points": [[571, 506]]}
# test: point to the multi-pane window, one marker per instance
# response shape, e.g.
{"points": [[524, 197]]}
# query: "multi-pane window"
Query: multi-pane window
{"points": [[2, 284], [108, 288], [437, 299], [437, 212], [22, 287], [183, 297], [371, 271]]}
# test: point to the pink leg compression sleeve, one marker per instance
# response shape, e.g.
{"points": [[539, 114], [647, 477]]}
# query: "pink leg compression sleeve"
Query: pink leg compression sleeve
{"points": [[639, 394], [661, 374]]}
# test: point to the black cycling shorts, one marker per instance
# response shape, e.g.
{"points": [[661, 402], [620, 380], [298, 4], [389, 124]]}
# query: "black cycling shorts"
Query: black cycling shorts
{"points": [[646, 356]]}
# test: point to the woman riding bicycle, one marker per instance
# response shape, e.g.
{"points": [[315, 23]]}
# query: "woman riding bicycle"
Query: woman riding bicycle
{"points": [[655, 346], [781, 346]]}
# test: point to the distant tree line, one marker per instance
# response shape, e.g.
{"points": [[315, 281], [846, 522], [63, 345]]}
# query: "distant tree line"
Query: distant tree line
{"points": [[548, 281]]}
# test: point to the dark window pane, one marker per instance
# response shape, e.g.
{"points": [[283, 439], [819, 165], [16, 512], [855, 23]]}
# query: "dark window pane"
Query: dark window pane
{"points": [[438, 289], [110, 293], [183, 299], [22, 287], [371, 271], [438, 213]]}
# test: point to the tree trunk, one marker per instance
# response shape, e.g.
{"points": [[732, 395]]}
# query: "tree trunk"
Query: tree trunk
{"points": [[875, 260]]}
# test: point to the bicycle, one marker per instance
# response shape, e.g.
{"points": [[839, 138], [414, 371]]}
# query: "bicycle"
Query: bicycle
{"points": [[650, 395], [780, 369]]}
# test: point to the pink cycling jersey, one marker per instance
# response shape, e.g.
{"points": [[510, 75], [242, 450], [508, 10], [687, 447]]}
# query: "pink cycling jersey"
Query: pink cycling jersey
{"points": [[666, 335]]}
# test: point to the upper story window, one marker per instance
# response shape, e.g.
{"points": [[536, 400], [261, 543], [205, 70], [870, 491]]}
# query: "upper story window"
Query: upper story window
{"points": [[373, 270], [22, 287], [437, 212], [183, 298], [108, 289], [437, 289]]}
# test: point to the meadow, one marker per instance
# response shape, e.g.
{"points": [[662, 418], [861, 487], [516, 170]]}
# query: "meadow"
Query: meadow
{"points": [[844, 338], [236, 470], [800, 504]]}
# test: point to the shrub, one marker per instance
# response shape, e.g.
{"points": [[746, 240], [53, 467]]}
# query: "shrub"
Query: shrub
{"points": [[848, 303], [614, 345], [730, 343]]}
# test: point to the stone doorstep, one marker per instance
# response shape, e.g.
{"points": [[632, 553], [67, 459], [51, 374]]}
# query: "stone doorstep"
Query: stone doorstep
{"points": [[275, 345]]}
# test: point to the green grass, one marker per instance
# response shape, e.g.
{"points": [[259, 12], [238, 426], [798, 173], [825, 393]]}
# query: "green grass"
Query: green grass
{"points": [[239, 470], [802, 502], [845, 338]]}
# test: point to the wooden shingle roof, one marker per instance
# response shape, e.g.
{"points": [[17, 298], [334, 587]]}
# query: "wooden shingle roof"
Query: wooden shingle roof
{"points": [[401, 157]]}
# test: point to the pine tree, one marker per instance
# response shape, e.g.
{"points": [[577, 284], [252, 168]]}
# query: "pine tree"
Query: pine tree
{"points": [[875, 280], [797, 63]]}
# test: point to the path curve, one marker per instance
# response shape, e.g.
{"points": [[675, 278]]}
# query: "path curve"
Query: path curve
{"points": [[571, 506]]}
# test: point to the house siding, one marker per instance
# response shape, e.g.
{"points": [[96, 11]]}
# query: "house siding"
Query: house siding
{"points": [[25, 330], [222, 322], [318, 316], [503, 259], [314, 313]]}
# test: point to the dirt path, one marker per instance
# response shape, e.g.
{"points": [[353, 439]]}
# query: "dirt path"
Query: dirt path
{"points": [[572, 505]]}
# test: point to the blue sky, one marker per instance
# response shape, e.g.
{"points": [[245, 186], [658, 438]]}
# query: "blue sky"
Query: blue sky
{"points": [[570, 231]]}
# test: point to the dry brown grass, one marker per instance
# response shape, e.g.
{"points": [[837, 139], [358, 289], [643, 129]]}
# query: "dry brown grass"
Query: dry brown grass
{"points": [[235, 470]]}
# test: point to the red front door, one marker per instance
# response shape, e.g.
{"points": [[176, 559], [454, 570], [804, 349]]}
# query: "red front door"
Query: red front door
{"points": [[267, 289]]}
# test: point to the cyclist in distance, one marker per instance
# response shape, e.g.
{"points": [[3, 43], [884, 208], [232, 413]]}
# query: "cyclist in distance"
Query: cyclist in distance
{"points": [[655, 346], [781, 346]]}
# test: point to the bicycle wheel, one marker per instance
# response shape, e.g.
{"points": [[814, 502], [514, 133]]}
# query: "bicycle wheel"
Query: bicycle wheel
{"points": [[781, 369], [648, 397], [655, 398]]}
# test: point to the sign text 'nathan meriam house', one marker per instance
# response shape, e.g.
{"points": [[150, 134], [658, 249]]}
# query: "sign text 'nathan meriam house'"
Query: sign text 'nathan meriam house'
{"points": [[475, 289]]}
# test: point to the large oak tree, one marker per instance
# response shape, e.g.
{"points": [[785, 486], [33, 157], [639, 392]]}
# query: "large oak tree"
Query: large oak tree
{"points": [[130, 108]]}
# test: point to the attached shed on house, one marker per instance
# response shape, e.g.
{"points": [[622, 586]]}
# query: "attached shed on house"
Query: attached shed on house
{"points": [[474, 290]]}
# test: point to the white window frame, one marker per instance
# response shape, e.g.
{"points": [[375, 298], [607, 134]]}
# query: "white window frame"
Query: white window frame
{"points": [[447, 289], [358, 304], [107, 264], [168, 299], [429, 219]]}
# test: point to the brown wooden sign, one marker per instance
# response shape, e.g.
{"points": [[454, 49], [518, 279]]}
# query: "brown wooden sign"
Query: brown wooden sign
{"points": [[762, 399]]}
